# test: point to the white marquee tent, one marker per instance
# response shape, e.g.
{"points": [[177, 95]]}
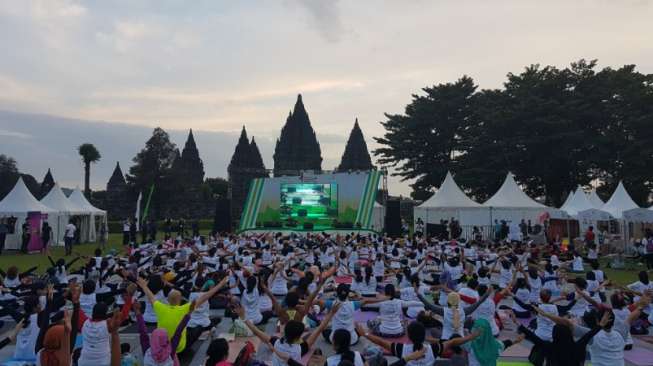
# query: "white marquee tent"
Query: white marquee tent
{"points": [[98, 217], [510, 203], [595, 200], [619, 202], [57, 200], [450, 201], [580, 207], [18, 203]]}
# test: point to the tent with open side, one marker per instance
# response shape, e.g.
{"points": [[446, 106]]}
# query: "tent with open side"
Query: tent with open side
{"points": [[510, 203], [580, 207], [98, 217], [21, 204], [450, 201], [58, 201]]}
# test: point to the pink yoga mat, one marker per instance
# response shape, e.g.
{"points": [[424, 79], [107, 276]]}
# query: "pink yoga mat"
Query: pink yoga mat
{"points": [[343, 279], [639, 356]]}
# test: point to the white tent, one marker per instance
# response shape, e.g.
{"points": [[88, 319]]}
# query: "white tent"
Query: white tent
{"points": [[98, 217], [510, 203], [18, 203], [577, 203], [450, 201], [571, 194], [638, 215], [58, 201], [595, 200], [619, 202]]}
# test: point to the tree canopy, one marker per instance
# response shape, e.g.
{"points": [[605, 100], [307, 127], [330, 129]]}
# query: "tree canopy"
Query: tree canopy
{"points": [[553, 128]]}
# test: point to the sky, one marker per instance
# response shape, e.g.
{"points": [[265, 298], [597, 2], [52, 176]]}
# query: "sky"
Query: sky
{"points": [[108, 72]]}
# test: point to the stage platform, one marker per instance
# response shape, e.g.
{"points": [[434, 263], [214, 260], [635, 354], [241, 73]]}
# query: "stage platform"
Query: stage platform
{"points": [[303, 232]]}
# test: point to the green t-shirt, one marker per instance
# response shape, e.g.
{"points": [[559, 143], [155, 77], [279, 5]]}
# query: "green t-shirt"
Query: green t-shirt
{"points": [[168, 317]]}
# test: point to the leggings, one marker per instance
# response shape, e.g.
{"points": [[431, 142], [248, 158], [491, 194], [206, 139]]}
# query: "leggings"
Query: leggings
{"points": [[192, 334]]}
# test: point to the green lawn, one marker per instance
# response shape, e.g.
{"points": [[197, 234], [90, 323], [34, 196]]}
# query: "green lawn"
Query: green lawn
{"points": [[24, 261]]}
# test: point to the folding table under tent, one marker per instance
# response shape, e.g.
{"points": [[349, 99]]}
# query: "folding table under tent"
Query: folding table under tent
{"points": [[510, 203], [58, 201], [449, 201], [20, 203], [98, 217]]}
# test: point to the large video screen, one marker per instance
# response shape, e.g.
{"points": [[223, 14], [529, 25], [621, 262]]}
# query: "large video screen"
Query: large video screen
{"points": [[308, 201]]}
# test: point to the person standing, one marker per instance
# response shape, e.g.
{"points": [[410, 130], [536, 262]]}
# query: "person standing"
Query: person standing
{"points": [[125, 232], [69, 237], [4, 230], [26, 236], [144, 228], [152, 230], [46, 236], [133, 228]]}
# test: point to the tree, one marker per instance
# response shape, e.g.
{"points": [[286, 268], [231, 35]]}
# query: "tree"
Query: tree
{"points": [[152, 166], [216, 187], [89, 154], [422, 143]]}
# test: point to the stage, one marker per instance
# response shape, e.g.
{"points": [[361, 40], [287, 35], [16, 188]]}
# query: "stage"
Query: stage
{"points": [[304, 232]]}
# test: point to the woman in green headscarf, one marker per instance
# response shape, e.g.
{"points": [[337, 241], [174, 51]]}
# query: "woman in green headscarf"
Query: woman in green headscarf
{"points": [[485, 350]]}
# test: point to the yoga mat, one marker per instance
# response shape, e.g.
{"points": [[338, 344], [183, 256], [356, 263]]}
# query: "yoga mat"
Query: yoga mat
{"points": [[639, 356], [343, 279], [364, 316], [517, 350]]}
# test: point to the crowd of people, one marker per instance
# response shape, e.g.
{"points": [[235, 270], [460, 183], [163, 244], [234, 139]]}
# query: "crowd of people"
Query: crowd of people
{"points": [[430, 300]]}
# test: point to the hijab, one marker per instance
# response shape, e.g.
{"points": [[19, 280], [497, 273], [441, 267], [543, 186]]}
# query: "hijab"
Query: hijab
{"points": [[453, 300], [52, 345], [160, 347], [486, 348]]}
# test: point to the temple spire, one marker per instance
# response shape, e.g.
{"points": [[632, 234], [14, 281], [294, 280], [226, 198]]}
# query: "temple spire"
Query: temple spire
{"points": [[297, 148], [190, 163], [117, 178], [356, 156], [46, 185]]}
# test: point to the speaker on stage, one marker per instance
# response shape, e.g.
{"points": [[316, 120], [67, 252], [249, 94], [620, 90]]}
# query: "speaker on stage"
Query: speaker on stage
{"points": [[222, 219], [393, 218]]}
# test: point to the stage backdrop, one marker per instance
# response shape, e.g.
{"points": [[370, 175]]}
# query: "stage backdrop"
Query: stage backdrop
{"points": [[325, 201]]}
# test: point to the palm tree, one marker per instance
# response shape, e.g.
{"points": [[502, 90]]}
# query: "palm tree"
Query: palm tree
{"points": [[89, 155]]}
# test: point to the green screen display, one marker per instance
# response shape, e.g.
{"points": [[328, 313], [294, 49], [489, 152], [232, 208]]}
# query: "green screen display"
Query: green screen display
{"points": [[309, 202]]}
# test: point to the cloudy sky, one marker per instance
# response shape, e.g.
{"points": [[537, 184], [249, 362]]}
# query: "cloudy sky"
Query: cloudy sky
{"points": [[107, 72]]}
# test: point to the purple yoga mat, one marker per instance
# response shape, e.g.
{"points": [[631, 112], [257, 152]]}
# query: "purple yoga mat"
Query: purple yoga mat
{"points": [[639, 356], [364, 316]]}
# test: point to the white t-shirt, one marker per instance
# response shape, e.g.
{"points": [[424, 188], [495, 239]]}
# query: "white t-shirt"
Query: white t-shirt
{"points": [[335, 359], [199, 317], [70, 231], [250, 303], [390, 313], [607, 349], [96, 349], [448, 328]]}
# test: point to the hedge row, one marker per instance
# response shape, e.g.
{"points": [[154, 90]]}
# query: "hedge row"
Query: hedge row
{"points": [[115, 227]]}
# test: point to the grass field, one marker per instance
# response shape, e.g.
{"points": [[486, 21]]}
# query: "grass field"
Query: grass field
{"points": [[25, 261]]}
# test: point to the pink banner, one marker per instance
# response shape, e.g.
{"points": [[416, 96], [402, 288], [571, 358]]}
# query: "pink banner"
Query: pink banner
{"points": [[35, 243]]}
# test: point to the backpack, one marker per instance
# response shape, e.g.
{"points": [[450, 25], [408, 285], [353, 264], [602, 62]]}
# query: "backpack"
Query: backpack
{"points": [[246, 355]]}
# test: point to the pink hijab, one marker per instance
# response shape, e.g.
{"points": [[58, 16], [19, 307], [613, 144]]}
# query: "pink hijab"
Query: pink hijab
{"points": [[160, 347]]}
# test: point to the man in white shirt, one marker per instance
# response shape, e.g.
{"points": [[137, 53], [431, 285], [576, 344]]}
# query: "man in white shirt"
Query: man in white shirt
{"points": [[69, 237]]}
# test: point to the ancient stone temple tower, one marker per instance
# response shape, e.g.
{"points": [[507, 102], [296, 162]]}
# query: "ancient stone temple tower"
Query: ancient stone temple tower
{"points": [[46, 185], [297, 148], [190, 163], [246, 164], [356, 156], [117, 201]]}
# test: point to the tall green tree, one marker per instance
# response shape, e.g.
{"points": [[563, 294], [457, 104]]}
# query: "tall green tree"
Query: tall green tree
{"points": [[152, 166], [90, 155], [421, 144]]}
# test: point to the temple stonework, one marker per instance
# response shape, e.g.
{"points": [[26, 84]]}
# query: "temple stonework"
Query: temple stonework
{"points": [[297, 148], [356, 156], [117, 202], [246, 164], [46, 185]]}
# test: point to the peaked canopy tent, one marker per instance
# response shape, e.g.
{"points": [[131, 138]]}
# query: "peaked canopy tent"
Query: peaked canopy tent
{"points": [[451, 202], [67, 210], [619, 202], [98, 217], [21, 204], [595, 200], [580, 207], [510, 203], [569, 196]]}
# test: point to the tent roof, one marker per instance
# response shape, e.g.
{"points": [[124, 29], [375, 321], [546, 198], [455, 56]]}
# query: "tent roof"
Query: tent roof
{"points": [[571, 194], [20, 200], [449, 195], [578, 202], [58, 201], [595, 200], [619, 202], [511, 196], [77, 197]]}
